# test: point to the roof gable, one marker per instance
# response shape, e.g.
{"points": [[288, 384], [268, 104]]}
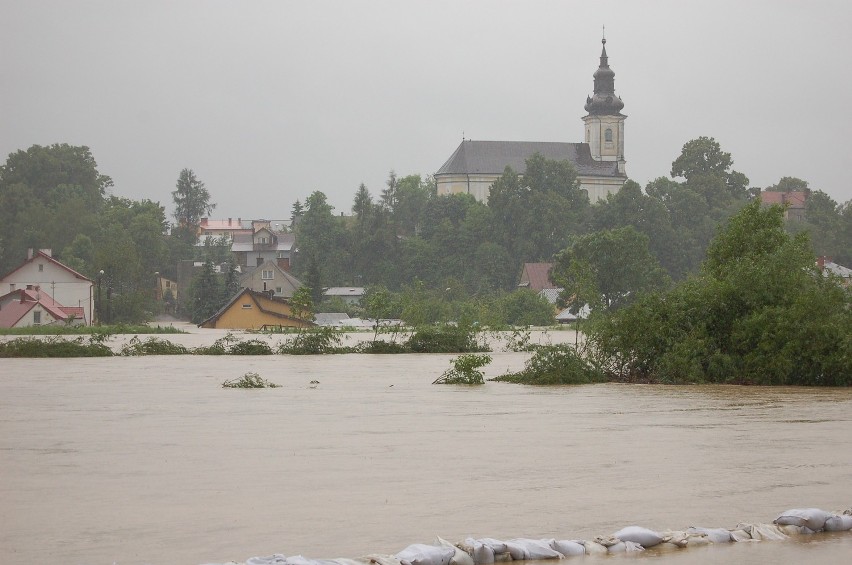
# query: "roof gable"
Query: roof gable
{"points": [[42, 255], [536, 276]]}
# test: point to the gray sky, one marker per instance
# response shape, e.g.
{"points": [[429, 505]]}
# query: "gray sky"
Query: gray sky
{"points": [[268, 101]]}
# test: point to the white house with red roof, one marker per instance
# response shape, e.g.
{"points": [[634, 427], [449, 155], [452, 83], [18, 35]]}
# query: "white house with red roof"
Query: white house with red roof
{"points": [[31, 307], [62, 285]]}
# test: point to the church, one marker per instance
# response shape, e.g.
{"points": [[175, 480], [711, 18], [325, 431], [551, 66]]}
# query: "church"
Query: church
{"points": [[599, 161]]}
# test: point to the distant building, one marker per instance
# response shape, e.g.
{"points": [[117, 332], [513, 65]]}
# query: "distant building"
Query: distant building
{"points": [[250, 310], [31, 306], [270, 277], [794, 201], [349, 294], [263, 243], [599, 160], [536, 276], [827, 266]]}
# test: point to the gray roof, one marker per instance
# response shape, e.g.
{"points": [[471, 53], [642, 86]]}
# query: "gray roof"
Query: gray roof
{"points": [[245, 242], [344, 291], [492, 157]]}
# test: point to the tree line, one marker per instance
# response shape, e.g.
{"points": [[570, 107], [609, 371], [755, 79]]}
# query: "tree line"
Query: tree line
{"points": [[407, 240]]}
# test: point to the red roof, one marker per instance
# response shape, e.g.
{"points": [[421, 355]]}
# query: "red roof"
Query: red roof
{"points": [[44, 255], [796, 198], [26, 299], [536, 276]]}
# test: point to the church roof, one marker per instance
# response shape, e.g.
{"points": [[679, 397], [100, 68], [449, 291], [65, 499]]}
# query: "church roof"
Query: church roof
{"points": [[492, 157]]}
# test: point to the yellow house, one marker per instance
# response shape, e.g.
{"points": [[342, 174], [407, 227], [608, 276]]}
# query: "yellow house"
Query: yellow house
{"points": [[252, 310]]}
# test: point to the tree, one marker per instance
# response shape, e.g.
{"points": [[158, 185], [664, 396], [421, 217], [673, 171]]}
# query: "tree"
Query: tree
{"points": [[302, 304], [607, 269], [760, 312], [703, 164], [205, 294], [192, 202]]}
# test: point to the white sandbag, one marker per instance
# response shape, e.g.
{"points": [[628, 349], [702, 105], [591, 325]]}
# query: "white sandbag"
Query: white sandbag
{"points": [[812, 518], [696, 539], [593, 547], [569, 548], [740, 535], [496, 545], [841, 523], [422, 554], [379, 559], [637, 534], [482, 554], [459, 557], [675, 537], [715, 535], [533, 549], [274, 559], [760, 532], [792, 530], [624, 547]]}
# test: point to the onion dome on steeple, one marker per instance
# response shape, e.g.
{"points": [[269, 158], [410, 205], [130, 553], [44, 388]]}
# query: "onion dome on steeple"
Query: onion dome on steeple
{"points": [[604, 102]]}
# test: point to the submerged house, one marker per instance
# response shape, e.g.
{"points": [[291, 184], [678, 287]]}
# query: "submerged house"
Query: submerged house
{"points": [[252, 310]]}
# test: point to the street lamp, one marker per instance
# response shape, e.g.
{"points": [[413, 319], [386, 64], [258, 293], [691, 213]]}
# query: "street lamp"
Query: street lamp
{"points": [[100, 304]]}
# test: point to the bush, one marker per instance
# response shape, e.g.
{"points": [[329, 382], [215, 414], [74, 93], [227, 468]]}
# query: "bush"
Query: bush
{"points": [[465, 370], [555, 365], [446, 338], [382, 347], [316, 341], [151, 346], [250, 347], [55, 347], [249, 380]]}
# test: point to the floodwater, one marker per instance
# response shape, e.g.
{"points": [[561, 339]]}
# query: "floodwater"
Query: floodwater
{"points": [[150, 460]]}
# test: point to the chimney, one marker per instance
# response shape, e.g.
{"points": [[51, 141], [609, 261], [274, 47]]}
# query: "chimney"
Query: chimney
{"points": [[229, 221], [284, 264], [203, 222], [29, 253]]}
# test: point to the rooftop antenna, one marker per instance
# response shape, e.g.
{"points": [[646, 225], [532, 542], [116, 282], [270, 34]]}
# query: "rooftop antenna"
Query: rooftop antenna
{"points": [[462, 135]]}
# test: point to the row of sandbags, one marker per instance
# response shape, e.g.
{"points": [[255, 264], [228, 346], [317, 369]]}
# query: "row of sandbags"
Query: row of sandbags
{"points": [[484, 551]]}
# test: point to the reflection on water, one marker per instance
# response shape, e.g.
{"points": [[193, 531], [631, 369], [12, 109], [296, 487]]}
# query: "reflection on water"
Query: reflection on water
{"points": [[149, 460]]}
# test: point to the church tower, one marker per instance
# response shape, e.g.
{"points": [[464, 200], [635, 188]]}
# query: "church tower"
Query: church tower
{"points": [[605, 122]]}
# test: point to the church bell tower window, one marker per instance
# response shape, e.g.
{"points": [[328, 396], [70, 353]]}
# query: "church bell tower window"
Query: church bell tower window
{"points": [[608, 135]]}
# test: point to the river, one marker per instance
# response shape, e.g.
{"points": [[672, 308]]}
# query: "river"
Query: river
{"points": [[149, 460]]}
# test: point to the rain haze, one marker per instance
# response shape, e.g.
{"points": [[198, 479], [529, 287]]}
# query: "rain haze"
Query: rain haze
{"points": [[268, 101]]}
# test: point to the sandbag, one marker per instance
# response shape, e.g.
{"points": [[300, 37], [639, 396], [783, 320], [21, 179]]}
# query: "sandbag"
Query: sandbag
{"points": [[522, 548], [460, 557], [715, 535], [637, 534], [792, 530], [496, 545], [812, 518], [593, 547], [624, 547], [568, 548], [274, 559], [841, 523], [740, 535], [482, 554], [422, 554], [678, 538], [763, 531], [378, 559]]}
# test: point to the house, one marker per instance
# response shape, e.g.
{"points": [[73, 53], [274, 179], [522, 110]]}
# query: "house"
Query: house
{"points": [[794, 202], [252, 310], [827, 266], [31, 306], [349, 294], [220, 228], [536, 276], [61, 283], [599, 160], [264, 243], [270, 277]]}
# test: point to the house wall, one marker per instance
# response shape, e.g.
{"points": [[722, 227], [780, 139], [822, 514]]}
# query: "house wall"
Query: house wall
{"points": [[480, 185], [254, 280], [63, 286]]}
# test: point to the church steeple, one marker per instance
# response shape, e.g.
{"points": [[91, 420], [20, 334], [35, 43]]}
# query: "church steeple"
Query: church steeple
{"points": [[604, 102], [604, 121]]}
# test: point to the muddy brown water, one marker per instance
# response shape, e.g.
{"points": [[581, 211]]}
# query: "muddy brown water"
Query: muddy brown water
{"points": [[150, 460]]}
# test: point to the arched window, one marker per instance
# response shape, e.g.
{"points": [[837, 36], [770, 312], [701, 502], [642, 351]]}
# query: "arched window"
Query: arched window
{"points": [[608, 135], [588, 136]]}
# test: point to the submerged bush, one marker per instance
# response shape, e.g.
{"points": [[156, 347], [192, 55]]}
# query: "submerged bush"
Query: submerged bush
{"points": [[151, 346], [55, 347], [315, 341], [446, 338], [249, 380], [555, 365], [250, 347], [382, 347], [465, 370]]}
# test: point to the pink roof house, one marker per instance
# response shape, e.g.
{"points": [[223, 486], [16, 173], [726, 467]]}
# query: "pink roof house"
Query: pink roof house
{"points": [[61, 284], [31, 306]]}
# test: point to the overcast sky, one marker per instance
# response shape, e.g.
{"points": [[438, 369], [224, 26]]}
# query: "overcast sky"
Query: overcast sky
{"points": [[268, 101]]}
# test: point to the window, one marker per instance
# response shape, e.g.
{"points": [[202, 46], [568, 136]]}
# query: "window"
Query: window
{"points": [[266, 275], [608, 135], [246, 306], [11, 287], [588, 136], [40, 268], [36, 317], [277, 290]]}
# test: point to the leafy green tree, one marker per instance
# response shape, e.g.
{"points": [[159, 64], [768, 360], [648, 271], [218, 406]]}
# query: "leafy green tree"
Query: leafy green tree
{"points": [[524, 307], [302, 304], [322, 244], [192, 202], [759, 313], [205, 294], [708, 169]]}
